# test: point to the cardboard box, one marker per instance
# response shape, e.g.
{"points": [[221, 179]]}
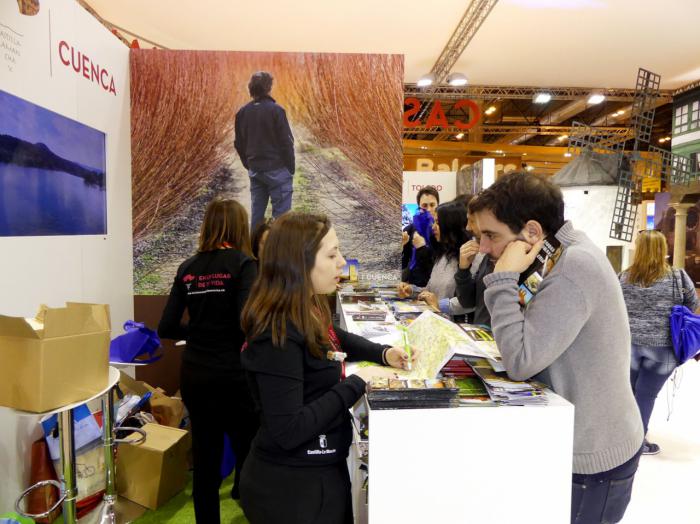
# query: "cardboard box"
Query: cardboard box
{"points": [[152, 473], [168, 411], [58, 358]]}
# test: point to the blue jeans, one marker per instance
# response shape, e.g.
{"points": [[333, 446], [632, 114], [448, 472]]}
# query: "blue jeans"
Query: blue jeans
{"points": [[602, 498], [275, 185], [650, 368]]}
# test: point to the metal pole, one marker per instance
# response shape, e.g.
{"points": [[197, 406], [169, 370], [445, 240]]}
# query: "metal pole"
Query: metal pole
{"points": [[70, 488], [108, 514]]}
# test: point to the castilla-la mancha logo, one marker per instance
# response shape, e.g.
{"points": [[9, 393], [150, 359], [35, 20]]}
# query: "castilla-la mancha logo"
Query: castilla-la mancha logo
{"points": [[86, 67]]}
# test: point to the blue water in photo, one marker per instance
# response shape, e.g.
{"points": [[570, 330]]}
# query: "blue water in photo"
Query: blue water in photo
{"points": [[37, 202], [52, 173]]}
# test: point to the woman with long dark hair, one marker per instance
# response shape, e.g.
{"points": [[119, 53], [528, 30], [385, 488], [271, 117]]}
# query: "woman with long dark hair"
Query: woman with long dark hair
{"points": [[296, 471], [651, 289], [450, 231], [213, 286]]}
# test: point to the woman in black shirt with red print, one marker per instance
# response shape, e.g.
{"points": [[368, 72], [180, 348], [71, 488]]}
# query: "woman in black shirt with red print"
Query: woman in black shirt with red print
{"points": [[296, 470], [213, 286]]}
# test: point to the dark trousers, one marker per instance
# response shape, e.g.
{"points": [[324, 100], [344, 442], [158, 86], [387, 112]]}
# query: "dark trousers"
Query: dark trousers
{"points": [[650, 368], [279, 494], [602, 498], [275, 185], [218, 404]]}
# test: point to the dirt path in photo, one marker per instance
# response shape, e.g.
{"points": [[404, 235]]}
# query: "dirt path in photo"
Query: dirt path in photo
{"points": [[325, 182]]}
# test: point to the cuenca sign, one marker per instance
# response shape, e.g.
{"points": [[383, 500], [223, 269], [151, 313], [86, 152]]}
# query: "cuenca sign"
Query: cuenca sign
{"points": [[83, 65]]}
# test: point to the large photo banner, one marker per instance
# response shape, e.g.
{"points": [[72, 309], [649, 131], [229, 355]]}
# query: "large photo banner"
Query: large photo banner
{"points": [[344, 113]]}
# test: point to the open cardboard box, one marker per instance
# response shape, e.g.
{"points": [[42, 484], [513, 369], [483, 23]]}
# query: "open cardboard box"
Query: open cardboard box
{"points": [[58, 358]]}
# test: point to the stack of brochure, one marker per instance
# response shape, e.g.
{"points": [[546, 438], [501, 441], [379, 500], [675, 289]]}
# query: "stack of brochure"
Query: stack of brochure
{"points": [[383, 393], [505, 391]]}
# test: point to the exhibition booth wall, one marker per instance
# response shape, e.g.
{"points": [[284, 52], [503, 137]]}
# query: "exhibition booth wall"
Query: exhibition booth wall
{"points": [[65, 181]]}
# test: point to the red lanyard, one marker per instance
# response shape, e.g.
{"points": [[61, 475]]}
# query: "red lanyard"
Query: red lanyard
{"points": [[335, 343]]}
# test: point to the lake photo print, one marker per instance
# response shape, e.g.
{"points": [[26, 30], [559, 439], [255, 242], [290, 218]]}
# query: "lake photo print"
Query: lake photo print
{"points": [[52, 173]]}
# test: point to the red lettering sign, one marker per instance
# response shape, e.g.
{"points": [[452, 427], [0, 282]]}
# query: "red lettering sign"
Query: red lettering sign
{"points": [[83, 65], [437, 116]]}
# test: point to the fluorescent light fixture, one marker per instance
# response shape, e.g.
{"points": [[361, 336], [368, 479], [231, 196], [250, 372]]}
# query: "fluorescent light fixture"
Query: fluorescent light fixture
{"points": [[562, 138], [426, 80], [567, 155], [491, 110], [457, 80], [498, 151], [595, 98], [542, 98], [459, 136]]}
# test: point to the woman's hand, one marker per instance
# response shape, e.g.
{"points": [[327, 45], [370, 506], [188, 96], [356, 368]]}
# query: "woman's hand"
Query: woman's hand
{"points": [[430, 299], [405, 290], [397, 357], [418, 241], [404, 238]]}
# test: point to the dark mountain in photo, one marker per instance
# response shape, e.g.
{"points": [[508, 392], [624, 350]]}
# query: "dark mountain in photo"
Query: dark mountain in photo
{"points": [[22, 153]]}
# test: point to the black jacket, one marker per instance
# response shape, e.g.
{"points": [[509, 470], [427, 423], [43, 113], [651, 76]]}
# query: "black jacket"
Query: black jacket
{"points": [[470, 291], [425, 259], [264, 139], [303, 402], [213, 287]]}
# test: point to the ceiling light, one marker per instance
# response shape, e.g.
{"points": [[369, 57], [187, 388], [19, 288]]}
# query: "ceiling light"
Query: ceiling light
{"points": [[459, 136], [542, 98], [498, 151], [426, 80], [524, 154], [529, 168], [457, 80], [567, 155], [662, 140], [595, 98], [491, 110], [562, 138], [621, 112]]}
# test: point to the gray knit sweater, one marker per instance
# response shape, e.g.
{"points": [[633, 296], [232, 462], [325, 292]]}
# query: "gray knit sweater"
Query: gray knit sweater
{"points": [[574, 336], [648, 308]]}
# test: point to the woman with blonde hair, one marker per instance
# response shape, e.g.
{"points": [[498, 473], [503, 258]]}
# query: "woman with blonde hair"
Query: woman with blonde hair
{"points": [[651, 289]]}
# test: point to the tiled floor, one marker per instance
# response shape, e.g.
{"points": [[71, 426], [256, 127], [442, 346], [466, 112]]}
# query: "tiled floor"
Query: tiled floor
{"points": [[667, 485]]}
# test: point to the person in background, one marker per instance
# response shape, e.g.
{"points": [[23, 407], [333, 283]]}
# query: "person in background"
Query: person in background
{"points": [[651, 289], [297, 471], [416, 270], [213, 286], [260, 234], [450, 231], [573, 335], [265, 144]]}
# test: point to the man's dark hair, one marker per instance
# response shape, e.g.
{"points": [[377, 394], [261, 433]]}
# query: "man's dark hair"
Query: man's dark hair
{"points": [[428, 190], [516, 198], [260, 84]]}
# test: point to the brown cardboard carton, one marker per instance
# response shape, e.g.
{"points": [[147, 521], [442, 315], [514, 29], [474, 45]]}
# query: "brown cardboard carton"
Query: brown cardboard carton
{"points": [[167, 411], [58, 358], [152, 473]]}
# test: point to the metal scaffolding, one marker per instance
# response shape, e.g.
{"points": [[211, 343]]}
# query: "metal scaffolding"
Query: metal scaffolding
{"points": [[482, 92], [470, 23], [503, 129]]}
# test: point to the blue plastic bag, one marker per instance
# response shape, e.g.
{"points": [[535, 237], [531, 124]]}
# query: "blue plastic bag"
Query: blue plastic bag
{"points": [[685, 333], [136, 343]]}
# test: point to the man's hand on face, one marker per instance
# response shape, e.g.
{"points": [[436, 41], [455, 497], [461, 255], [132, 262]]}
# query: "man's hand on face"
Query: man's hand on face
{"points": [[517, 256]]}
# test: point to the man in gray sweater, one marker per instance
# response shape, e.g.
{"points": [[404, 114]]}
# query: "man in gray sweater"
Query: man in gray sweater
{"points": [[573, 335]]}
